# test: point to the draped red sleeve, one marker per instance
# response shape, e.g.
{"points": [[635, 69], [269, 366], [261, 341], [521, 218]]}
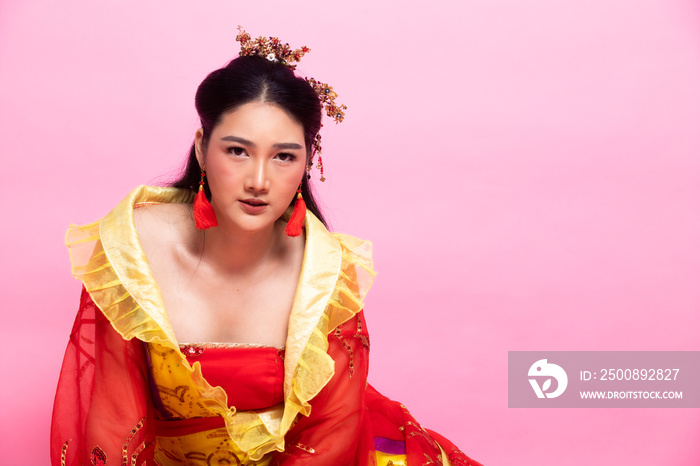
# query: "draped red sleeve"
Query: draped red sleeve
{"points": [[333, 433], [349, 419], [102, 406]]}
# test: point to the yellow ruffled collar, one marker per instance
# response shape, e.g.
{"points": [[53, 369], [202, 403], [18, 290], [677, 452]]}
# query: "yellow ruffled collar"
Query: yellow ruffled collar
{"points": [[335, 276]]}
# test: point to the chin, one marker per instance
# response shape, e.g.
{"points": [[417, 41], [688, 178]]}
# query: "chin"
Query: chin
{"points": [[255, 223]]}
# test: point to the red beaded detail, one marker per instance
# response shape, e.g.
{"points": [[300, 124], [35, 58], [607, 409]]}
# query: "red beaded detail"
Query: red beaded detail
{"points": [[192, 351], [98, 457]]}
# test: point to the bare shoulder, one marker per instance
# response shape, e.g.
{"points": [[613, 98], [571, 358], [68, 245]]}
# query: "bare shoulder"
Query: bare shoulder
{"points": [[163, 225]]}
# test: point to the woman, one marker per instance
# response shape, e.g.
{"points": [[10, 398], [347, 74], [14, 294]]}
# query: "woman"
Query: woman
{"points": [[262, 355]]}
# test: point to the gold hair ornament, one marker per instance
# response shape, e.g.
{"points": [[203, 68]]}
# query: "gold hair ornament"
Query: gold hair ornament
{"points": [[274, 50]]}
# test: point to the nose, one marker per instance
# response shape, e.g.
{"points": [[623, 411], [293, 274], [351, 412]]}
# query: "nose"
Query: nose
{"points": [[257, 180]]}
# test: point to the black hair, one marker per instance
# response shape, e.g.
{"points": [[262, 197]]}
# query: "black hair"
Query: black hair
{"points": [[249, 79]]}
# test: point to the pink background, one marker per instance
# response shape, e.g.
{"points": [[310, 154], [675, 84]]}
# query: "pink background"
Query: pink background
{"points": [[529, 173]]}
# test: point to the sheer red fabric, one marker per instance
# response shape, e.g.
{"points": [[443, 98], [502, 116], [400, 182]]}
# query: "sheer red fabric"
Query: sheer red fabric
{"points": [[102, 407], [350, 419], [337, 430]]}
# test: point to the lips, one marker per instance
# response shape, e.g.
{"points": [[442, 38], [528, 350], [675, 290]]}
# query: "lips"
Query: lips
{"points": [[253, 205], [254, 201]]}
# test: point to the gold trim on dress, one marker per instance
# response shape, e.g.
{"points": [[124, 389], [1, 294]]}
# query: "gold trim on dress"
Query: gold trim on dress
{"points": [[225, 344]]}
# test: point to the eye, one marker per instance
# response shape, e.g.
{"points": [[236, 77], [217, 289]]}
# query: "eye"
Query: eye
{"points": [[236, 151], [286, 157]]}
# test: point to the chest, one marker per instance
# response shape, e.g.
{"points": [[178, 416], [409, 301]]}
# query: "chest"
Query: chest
{"points": [[245, 308]]}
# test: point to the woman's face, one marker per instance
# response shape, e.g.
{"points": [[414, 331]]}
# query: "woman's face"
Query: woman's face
{"points": [[255, 160]]}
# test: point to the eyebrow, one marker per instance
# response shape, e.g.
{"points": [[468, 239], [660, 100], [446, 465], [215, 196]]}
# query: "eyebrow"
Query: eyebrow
{"points": [[245, 142], [279, 145], [287, 145]]}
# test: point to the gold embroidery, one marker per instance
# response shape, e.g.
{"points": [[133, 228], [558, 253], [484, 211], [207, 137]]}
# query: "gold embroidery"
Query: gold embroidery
{"points": [[364, 339], [364, 342], [303, 447], [177, 392], [193, 455], [221, 457], [351, 364], [127, 441], [218, 433], [226, 344], [429, 460], [137, 452], [99, 458], [423, 433], [457, 460], [64, 452], [164, 353], [414, 429]]}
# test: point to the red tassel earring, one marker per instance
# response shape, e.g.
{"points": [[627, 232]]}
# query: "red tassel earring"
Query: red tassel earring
{"points": [[204, 215], [296, 220]]}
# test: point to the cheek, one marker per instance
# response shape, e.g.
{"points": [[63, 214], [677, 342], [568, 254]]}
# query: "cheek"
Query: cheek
{"points": [[223, 181], [291, 184], [294, 177]]}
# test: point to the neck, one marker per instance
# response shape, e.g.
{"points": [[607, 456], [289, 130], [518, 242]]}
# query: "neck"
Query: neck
{"points": [[230, 250]]}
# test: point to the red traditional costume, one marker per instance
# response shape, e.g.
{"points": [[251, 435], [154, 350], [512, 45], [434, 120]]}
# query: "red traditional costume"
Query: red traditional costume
{"points": [[130, 394]]}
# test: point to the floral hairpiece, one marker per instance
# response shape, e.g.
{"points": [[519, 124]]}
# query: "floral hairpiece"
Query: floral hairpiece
{"points": [[271, 48], [274, 50]]}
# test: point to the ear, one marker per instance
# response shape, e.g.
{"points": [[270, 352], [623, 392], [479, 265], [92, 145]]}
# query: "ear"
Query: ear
{"points": [[198, 146]]}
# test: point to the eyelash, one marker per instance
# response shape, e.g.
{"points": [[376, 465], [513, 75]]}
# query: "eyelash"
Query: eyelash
{"points": [[239, 151], [235, 151], [290, 157]]}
